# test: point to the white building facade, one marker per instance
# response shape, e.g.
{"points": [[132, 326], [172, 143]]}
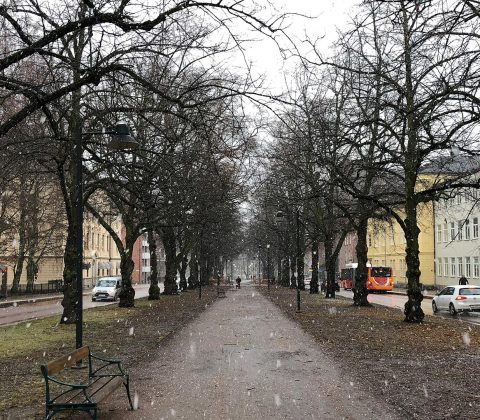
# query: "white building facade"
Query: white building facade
{"points": [[457, 238]]}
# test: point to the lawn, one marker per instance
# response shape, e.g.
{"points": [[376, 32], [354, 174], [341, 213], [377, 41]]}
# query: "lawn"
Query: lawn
{"points": [[129, 334]]}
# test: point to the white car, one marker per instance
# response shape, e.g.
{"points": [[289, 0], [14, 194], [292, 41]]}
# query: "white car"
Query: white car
{"points": [[107, 288], [458, 298]]}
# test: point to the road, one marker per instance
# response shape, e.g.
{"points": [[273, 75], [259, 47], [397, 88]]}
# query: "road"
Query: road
{"points": [[25, 312], [398, 301]]}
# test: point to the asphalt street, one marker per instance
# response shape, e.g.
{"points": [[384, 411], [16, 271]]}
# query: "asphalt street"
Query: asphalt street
{"points": [[398, 301], [35, 310]]}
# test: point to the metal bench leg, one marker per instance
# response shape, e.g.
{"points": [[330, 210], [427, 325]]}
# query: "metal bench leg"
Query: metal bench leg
{"points": [[127, 387]]}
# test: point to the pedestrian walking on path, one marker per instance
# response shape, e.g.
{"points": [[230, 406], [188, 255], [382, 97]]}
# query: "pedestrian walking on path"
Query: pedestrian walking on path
{"points": [[243, 358], [463, 280]]}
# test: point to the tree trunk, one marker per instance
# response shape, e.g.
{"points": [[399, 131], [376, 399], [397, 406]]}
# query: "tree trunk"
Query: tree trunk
{"points": [[69, 300], [193, 277], [127, 294], [153, 290], [413, 309], [314, 281], [22, 227], [330, 263], [293, 272], [203, 271], [31, 271], [360, 291], [169, 244], [17, 274], [286, 272], [183, 272]]}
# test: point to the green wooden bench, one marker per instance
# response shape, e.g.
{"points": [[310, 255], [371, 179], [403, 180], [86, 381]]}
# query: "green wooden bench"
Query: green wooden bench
{"points": [[104, 377]]}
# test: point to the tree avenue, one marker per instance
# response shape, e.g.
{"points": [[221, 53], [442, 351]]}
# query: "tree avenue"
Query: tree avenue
{"points": [[363, 136]]}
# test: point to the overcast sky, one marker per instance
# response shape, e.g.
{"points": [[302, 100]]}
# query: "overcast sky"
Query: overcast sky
{"points": [[326, 16]]}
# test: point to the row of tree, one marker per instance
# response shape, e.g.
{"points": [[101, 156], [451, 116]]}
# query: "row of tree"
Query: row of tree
{"points": [[68, 69], [370, 133]]}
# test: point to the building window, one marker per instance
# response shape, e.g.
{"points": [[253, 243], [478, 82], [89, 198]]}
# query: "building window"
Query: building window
{"points": [[460, 230], [439, 233], [453, 267], [467, 229], [370, 239], [468, 268], [445, 266], [460, 266], [439, 267], [445, 232], [475, 267], [452, 231], [475, 227]]}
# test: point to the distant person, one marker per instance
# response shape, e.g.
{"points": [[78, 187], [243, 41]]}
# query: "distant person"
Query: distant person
{"points": [[238, 280], [463, 281]]}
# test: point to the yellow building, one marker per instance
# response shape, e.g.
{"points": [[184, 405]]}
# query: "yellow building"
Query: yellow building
{"points": [[101, 256], [386, 246], [100, 253]]}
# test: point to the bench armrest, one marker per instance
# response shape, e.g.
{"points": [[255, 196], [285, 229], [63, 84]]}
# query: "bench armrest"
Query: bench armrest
{"points": [[107, 362]]}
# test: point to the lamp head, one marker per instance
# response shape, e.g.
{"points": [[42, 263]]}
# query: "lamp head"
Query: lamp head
{"points": [[121, 138]]}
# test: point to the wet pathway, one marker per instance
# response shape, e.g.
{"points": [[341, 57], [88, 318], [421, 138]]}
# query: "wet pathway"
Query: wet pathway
{"points": [[243, 359]]}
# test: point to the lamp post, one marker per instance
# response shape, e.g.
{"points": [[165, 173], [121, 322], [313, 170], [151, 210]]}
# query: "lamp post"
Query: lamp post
{"points": [[121, 140], [259, 250], [268, 267]]}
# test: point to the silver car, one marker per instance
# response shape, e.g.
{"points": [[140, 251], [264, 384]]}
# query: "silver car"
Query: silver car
{"points": [[458, 298], [107, 288]]}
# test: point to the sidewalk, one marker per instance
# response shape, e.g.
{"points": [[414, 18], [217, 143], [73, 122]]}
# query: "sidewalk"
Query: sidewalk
{"points": [[243, 359], [427, 294]]}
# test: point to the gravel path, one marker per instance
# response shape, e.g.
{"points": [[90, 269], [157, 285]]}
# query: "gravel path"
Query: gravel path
{"points": [[243, 359]]}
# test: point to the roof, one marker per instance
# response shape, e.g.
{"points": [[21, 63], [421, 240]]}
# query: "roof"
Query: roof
{"points": [[453, 164]]}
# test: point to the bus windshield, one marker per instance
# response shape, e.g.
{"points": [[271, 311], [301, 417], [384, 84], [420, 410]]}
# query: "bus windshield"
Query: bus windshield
{"points": [[381, 272]]}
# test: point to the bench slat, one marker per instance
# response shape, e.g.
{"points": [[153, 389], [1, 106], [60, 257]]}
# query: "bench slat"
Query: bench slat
{"points": [[105, 388], [67, 360]]}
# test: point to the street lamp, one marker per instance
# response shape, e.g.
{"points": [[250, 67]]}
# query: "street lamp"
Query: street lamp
{"points": [[121, 140], [268, 267]]}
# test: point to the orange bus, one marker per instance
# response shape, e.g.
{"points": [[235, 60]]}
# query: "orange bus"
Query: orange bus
{"points": [[380, 279]]}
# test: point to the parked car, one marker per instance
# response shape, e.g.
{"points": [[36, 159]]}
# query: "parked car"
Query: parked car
{"points": [[107, 288], [457, 298]]}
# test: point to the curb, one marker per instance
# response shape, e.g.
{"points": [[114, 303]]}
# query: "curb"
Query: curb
{"points": [[19, 302], [405, 294]]}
